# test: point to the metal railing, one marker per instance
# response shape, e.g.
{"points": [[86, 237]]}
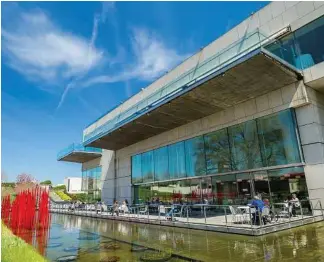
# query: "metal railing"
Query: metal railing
{"points": [[247, 44], [77, 148], [242, 216]]}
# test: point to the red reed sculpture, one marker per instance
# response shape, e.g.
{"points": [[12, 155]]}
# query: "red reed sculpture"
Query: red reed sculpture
{"points": [[29, 212]]}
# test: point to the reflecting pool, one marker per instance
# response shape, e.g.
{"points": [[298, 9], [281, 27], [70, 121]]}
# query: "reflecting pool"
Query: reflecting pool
{"points": [[74, 238]]}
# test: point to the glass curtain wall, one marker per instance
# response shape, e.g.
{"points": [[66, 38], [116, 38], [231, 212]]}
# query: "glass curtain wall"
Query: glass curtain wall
{"points": [[91, 183], [302, 48], [264, 142], [233, 189]]}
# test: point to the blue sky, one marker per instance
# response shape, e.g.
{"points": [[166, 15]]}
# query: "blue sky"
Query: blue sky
{"points": [[66, 63]]}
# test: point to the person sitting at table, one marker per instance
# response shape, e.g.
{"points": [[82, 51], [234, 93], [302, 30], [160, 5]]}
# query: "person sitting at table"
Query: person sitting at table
{"points": [[258, 204], [172, 210], [116, 208]]}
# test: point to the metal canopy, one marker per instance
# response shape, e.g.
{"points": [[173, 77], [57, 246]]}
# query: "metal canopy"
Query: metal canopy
{"points": [[255, 74], [80, 157]]}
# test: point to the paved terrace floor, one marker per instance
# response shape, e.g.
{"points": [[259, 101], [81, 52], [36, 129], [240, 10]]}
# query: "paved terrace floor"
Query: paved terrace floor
{"points": [[221, 223]]}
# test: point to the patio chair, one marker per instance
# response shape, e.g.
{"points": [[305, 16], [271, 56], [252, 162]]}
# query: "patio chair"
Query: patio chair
{"points": [[265, 214], [237, 216], [177, 211], [144, 211], [162, 210]]}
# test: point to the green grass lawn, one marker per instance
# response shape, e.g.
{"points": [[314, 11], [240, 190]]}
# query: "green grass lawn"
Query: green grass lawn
{"points": [[14, 249]]}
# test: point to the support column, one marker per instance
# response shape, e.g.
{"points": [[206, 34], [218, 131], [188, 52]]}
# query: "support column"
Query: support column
{"points": [[310, 121]]}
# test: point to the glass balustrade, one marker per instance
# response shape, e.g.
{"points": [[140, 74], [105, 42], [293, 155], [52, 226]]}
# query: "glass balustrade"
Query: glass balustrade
{"points": [[77, 148]]}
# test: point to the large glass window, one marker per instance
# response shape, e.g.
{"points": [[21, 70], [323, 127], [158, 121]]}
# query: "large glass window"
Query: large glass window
{"points": [[267, 141], [302, 48], [161, 164], [245, 146], [309, 44], [137, 169], [217, 152], [278, 139], [91, 183], [195, 157], [148, 166], [177, 168], [284, 182]]}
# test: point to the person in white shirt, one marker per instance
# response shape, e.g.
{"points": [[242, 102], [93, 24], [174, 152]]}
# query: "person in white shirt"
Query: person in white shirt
{"points": [[295, 204]]}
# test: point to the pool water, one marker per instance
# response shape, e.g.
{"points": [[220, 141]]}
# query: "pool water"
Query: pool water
{"points": [[91, 239]]}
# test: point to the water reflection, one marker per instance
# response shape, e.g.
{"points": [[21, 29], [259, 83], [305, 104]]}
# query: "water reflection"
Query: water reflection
{"points": [[301, 244]]}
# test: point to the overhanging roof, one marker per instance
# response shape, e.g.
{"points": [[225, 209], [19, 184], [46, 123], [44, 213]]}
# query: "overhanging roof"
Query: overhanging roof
{"points": [[77, 153], [254, 74]]}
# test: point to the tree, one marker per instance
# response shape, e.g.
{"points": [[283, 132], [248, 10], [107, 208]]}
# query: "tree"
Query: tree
{"points": [[61, 187], [46, 182], [25, 179]]}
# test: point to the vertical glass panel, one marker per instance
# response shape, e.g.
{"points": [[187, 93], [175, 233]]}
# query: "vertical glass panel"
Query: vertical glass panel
{"points": [[84, 181], [302, 48], [284, 48], [278, 139], [161, 164], [90, 180], [148, 166], [144, 193], [207, 191], [225, 189], [217, 152], [137, 169], [245, 146], [261, 184], [177, 167], [244, 188], [309, 44], [195, 190], [195, 157], [165, 191], [285, 182], [99, 184]]}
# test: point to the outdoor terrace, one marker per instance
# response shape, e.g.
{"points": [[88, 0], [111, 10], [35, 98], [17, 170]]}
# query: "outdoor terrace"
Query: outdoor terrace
{"points": [[78, 153], [220, 218]]}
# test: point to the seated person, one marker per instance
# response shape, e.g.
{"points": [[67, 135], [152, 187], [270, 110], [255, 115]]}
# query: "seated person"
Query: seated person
{"points": [[116, 208], [258, 204], [124, 207]]}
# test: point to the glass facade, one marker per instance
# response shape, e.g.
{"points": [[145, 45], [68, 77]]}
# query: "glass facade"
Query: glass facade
{"points": [[263, 142], [278, 140], [161, 164], [302, 48], [233, 189], [195, 157], [177, 166], [217, 150], [178, 172], [245, 147], [91, 182]]}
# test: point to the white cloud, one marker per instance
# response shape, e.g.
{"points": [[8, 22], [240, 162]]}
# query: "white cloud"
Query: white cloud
{"points": [[38, 49], [152, 59]]}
